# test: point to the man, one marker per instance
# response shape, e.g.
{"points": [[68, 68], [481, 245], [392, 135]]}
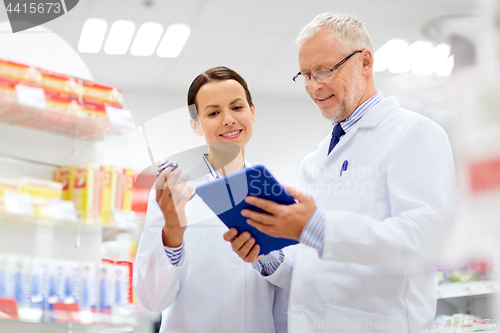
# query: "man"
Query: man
{"points": [[372, 199]]}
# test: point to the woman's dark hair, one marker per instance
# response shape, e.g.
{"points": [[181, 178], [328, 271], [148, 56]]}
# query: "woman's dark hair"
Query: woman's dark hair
{"points": [[218, 73]]}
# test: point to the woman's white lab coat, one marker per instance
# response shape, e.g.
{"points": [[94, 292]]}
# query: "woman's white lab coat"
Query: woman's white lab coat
{"points": [[211, 289]]}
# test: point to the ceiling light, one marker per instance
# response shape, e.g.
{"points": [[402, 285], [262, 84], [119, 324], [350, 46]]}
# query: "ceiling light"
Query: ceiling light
{"points": [[392, 55], [92, 35], [398, 56], [422, 58], [173, 41], [119, 38], [146, 40], [446, 67], [440, 54]]}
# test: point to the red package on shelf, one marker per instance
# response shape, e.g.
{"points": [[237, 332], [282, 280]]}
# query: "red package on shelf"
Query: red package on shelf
{"points": [[101, 95], [8, 308]]}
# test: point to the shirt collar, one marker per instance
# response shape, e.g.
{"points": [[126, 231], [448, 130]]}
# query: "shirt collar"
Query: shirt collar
{"points": [[360, 111], [212, 170]]}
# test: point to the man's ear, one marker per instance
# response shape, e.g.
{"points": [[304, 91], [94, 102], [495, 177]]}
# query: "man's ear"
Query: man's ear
{"points": [[252, 111], [367, 61], [195, 125]]}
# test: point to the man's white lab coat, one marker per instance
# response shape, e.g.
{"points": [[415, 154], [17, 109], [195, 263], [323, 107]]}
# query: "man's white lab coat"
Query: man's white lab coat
{"points": [[382, 220]]}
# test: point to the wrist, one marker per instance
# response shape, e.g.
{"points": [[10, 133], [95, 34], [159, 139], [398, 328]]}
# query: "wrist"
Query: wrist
{"points": [[172, 237]]}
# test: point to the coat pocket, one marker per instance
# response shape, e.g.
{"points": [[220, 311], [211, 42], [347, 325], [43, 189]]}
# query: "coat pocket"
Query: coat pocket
{"points": [[342, 319]]}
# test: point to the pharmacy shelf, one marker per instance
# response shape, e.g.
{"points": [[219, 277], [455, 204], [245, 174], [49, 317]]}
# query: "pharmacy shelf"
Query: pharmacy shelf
{"points": [[46, 238], [65, 124], [107, 232], [451, 290]]}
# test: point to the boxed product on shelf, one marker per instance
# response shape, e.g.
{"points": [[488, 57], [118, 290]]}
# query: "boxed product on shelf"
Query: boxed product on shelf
{"points": [[97, 190], [115, 280], [9, 185], [41, 188], [119, 179], [39, 286], [126, 272], [99, 94], [140, 198], [43, 100], [15, 281], [63, 176], [88, 287], [19, 72], [43, 196], [475, 269], [127, 192], [108, 187], [50, 81], [106, 286], [39, 289], [86, 191]]}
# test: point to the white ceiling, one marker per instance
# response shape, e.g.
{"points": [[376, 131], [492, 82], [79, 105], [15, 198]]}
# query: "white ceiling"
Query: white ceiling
{"points": [[256, 38]]}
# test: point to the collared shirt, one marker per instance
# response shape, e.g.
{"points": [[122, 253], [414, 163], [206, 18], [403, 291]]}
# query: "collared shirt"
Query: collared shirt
{"points": [[313, 234]]}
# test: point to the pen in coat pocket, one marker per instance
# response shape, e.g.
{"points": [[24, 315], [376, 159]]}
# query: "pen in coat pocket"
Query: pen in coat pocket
{"points": [[344, 167]]}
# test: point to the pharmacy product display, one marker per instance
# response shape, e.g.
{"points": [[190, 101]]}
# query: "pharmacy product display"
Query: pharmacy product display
{"points": [[97, 191], [59, 204], [47, 290], [35, 98]]}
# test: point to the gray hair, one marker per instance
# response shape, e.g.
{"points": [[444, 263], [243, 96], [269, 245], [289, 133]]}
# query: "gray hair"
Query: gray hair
{"points": [[349, 31]]}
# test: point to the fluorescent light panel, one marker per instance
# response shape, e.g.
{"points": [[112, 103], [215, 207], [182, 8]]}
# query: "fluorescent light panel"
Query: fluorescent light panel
{"points": [[174, 40], [92, 36], [146, 40], [119, 38], [420, 57]]}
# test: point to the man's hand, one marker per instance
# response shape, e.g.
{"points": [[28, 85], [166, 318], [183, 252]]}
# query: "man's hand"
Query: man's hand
{"points": [[283, 221], [244, 245]]}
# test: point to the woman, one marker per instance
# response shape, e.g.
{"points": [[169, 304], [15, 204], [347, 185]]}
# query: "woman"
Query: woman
{"points": [[183, 265]]}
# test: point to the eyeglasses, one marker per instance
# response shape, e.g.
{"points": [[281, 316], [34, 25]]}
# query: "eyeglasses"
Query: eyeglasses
{"points": [[321, 74]]}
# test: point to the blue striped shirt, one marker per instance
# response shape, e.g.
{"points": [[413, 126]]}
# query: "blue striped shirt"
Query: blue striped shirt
{"points": [[313, 234]]}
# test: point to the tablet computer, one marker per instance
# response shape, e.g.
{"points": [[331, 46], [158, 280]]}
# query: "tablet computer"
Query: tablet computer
{"points": [[225, 196]]}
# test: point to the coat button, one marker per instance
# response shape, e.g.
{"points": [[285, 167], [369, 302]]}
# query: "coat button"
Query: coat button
{"points": [[297, 310]]}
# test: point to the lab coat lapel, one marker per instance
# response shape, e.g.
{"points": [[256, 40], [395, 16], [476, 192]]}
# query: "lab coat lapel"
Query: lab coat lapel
{"points": [[371, 119], [343, 141]]}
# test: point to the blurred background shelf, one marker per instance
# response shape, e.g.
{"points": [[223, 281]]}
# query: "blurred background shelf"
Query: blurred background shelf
{"points": [[68, 125], [452, 290]]}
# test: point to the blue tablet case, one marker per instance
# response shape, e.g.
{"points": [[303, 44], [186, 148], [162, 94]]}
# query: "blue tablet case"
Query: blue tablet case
{"points": [[225, 196]]}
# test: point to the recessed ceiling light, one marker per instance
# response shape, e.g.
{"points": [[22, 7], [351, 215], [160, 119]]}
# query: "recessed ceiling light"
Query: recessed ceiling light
{"points": [[146, 40], [92, 36], [422, 58], [173, 41], [393, 56], [119, 38], [446, 67]]}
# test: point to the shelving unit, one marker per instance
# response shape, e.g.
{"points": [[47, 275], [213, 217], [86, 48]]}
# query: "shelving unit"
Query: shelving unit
{"points": [[452, 290], [69, 125], [34, 143]]}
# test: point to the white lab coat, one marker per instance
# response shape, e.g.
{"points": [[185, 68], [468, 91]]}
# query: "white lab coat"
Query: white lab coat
{"points": [[211, 290], [381, 220]]}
